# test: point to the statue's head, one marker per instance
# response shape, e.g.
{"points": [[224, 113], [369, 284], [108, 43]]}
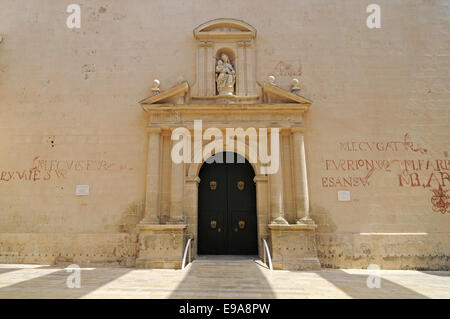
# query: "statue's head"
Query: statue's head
{"points": [[224, 57]]}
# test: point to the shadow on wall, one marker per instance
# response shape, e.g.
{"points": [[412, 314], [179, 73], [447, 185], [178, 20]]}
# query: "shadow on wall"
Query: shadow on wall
{"points": [[224, 277]]}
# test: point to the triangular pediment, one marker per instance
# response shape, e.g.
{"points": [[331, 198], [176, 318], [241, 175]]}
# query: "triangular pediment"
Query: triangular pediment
{"points": [[225, 28], [168, 96], [273, 93]]}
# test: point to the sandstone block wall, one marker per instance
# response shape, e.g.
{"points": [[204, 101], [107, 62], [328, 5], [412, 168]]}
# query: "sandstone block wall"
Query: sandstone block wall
{"points": [[378, 126]]}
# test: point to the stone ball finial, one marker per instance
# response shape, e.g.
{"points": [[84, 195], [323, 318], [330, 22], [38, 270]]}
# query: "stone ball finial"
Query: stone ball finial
{"points": [[271, 79], [295, 86], [155, 87], [180, 79]]}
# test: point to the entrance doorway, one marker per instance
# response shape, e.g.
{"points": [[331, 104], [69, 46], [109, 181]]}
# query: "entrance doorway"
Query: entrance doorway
{"points": [[227, 220]]}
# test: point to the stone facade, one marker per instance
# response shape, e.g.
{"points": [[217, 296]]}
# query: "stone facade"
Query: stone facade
{"points": [[362, 115]]}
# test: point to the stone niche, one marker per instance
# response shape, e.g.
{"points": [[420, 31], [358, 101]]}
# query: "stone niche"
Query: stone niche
{"points": [[226, 95], [235, 39]]}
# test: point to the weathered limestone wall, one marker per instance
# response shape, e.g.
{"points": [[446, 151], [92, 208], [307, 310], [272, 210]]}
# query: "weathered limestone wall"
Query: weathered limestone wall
{"points": [[69, 116]]}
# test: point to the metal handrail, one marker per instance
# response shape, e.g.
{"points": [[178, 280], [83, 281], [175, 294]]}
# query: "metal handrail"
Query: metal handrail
{"points": [[186, 250], [266, 250]]}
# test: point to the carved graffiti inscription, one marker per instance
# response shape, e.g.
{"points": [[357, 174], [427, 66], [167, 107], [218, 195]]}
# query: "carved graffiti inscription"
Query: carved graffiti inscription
{"points": [[46, 169], [287, 68], [425, 173], [440, 200]]}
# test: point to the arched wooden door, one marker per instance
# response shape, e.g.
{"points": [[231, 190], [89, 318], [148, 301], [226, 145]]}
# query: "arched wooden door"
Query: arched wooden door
{"points": [[227, 222]]}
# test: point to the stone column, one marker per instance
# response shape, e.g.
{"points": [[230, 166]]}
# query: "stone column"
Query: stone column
{"points": [[277, 194], [153, 187], [191, 207], [262, 208], [210, 70], [176, 193], [201, 69], [301, 178], [249, 76], [240, 70]]}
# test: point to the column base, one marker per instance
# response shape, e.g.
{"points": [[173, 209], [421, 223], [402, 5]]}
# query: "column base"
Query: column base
{"points": [[279, 221], [294, 247], [149, 221], [160, 246], [176, 221], [305, 220]]}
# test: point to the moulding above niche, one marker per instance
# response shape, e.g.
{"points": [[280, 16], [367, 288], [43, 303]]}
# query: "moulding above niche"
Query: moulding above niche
{"points": [[224, 29]]}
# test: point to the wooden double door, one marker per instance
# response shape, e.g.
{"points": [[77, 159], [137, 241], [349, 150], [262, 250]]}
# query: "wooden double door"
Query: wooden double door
{"points": [[227, 222]]}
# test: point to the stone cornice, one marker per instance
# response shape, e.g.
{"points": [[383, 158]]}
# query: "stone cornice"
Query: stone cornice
{"points": [[161, 226], [227, 108], [292, 227]]}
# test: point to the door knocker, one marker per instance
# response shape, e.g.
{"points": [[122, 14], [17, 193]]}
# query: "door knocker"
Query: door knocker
{"points": [[241, 224], [213, 224], [213, 185], [241, 185]]}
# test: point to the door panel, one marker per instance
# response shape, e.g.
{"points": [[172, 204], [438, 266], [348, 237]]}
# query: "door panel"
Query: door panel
{"points": [[212, 205], [214, 237], [243, 233], [227, 195]]}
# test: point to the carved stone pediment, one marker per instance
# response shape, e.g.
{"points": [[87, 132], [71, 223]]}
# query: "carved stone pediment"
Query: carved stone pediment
{"points": [[275, 94], [174, 95]]}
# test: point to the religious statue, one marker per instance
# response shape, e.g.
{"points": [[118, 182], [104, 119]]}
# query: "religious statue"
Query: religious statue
{"points": [[225, 76]]}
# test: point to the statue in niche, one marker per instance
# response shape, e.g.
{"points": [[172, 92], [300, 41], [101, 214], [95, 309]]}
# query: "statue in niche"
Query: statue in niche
{"points": [[225, 76]]}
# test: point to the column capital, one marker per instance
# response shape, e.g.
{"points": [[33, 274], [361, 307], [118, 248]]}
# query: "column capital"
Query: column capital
{"points": [[166, 131], [206, 43], [154, 130], [285, 131], [261, 179], [244, 43], [192, 179], [298, 129]]}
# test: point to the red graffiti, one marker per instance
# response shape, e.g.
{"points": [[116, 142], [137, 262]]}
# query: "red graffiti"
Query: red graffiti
{"points": [[440, 201], [347, 181], [425, 180], [410, 145], [382, 146], [44, 169]]}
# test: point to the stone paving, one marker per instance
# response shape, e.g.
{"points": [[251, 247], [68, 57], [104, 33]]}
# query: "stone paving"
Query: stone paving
{"points": [[219, 278]]}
